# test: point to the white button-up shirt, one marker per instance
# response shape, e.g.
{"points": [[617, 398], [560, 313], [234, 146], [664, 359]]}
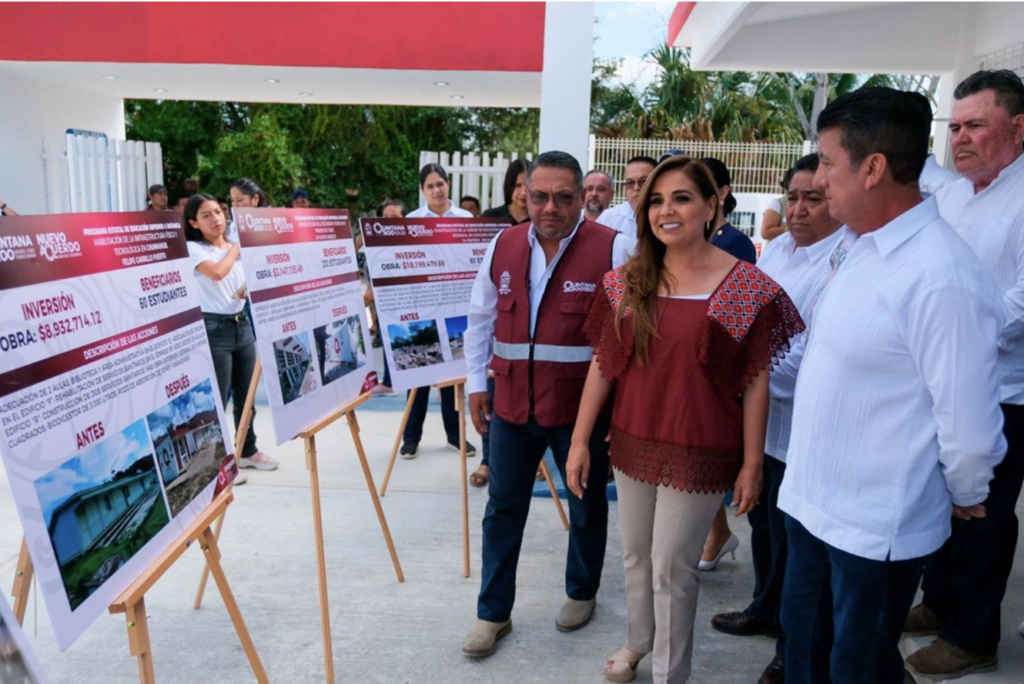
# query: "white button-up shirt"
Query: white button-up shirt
{"points": [[802, 272], [453, 211], [483, 302], [622, 218], [992, 223], [896, 402]]}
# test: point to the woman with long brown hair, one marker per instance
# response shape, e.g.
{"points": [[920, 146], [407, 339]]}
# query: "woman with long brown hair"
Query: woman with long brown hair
{"points": [[683, 334]]}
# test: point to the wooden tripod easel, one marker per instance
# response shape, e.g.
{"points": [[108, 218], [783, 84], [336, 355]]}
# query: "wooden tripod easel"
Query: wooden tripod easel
{"points": [[460, 406], [309, 438], [132, 602]]}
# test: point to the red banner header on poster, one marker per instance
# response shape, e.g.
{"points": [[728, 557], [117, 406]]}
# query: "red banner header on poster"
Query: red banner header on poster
{"points": [[41, 249], [406, 232], [273, 227]]}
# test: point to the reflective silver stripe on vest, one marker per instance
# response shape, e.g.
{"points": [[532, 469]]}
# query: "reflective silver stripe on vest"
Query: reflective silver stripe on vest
{"points": [[555, 353]]}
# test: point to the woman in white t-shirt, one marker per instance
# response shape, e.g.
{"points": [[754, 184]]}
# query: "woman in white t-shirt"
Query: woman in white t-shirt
{"points": [[222, 296], [434, 185]]}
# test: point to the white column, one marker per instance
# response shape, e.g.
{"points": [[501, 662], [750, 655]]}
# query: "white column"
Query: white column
{"points": [[565, 81], [965, 64]]}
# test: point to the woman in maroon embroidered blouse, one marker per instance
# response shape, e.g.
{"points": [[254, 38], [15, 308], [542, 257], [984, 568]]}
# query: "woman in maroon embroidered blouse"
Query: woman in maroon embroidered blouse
{"points": [[684, 334]]}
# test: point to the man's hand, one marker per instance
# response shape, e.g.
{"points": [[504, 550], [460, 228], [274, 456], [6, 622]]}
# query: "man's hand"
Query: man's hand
{"points": [[480, 411], [969, 512]]}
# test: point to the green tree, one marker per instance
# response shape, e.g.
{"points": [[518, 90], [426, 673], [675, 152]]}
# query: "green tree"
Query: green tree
{"points": [[260, 151], [335, 152]]}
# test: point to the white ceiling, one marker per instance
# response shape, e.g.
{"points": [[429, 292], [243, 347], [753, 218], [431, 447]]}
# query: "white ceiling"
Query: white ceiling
{"points": [[218, 82]]}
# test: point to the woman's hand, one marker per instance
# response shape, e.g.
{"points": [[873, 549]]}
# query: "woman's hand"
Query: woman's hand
{"points": [[747, 489], [577, 469]]}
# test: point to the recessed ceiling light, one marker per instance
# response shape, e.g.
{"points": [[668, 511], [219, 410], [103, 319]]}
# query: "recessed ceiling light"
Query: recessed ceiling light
{"points": [[442, 84], [160, 90], [458, 97], [110, 78], [306, 93], [271, 80]]}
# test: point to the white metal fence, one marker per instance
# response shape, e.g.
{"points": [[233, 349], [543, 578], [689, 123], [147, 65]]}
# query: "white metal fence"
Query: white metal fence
{"points": [[754, 167], [480, 175], [89, 172]]}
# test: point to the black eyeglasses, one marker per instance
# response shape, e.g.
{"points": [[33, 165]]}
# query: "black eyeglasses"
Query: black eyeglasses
{"points": [[562, 199], [629, 183]]}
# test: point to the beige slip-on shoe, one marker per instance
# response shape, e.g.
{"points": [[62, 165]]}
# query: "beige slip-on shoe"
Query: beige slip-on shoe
{"points": [[483, 638], [574, 614]]}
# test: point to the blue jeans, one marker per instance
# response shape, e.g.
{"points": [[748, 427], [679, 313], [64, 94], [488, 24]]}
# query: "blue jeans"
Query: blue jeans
{"points": [[966, 581], [768, 547], [233, 347], [516, 451], [843, 615]]}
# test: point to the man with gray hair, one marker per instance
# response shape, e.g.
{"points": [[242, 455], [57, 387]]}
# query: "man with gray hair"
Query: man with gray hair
{"points": [[526, 317], [965, 584], [598, 193]]}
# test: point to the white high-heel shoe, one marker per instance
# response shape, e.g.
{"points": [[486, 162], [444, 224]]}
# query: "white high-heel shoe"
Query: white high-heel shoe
{"points": [[730, 548]]}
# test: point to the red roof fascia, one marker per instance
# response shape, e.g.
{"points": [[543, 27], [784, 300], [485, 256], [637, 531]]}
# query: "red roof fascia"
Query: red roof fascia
{"points": [[678, 19], [464, 36]]}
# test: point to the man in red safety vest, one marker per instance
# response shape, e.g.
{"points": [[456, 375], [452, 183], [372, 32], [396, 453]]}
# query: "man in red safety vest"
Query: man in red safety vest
{"points": [[526, 317]]}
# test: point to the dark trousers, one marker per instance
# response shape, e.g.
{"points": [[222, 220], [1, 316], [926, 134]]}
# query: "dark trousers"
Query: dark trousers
{"points": [[964, 584], [233, 347], [516, 451], [768, 546], [450, 417], [843, 614], [386, 380]]}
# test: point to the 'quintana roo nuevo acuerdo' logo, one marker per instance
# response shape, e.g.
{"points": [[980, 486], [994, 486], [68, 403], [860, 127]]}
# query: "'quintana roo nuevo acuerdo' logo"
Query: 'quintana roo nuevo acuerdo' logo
{"points": [[53, 246], [506, 281]]}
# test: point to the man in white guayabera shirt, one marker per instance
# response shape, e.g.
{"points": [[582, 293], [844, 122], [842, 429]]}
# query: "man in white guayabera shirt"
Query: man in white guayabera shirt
{"points": [[622, 217], [896, 420], [965, 584], [801, 260]]}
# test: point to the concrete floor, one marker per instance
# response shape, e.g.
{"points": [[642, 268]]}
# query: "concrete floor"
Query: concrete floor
{"points": [[384, 631]]}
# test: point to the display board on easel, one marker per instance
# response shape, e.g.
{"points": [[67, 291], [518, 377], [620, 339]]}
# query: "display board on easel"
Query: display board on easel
{"points": [[308, 313], [422, 270], [114, 437], [313, 339]]}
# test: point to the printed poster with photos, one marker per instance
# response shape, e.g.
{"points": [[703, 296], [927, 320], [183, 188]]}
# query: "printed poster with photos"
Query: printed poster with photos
{"points": [[422, 270], [18, 664], [307, 306], [113, 437]]}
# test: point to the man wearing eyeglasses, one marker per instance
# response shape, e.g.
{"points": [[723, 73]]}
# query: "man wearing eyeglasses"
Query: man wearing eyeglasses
{"points": [[526, 317], [623, 216]]}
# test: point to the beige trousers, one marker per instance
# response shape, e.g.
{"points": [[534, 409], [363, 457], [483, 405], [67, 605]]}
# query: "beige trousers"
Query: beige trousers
{"points": [[663, 534]]}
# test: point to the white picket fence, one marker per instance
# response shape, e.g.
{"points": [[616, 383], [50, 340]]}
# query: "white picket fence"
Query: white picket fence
{"points": [[481, 175], [87, 172]]}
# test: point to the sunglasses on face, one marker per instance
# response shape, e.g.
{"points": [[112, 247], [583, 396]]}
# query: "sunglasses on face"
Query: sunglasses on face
{"points": [[541, 199]]}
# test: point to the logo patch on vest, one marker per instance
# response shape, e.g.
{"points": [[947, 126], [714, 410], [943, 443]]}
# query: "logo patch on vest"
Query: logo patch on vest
{"points": [[570, 286], [504, 286]]}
